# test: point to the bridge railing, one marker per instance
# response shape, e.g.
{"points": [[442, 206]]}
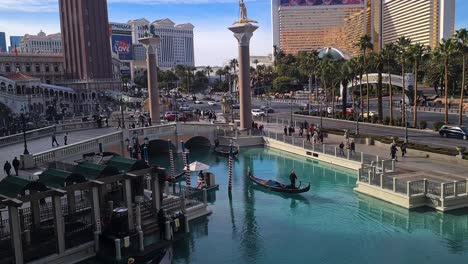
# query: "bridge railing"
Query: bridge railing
{"points": [[45, 131], [76, 148], [153, 130]]}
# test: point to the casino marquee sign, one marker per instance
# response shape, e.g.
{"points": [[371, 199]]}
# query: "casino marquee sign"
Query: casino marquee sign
{"points": [[320, 2]]}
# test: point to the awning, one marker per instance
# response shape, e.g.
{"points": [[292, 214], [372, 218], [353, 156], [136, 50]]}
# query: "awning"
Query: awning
{"points": [[58, 178], [127, 165], [93, 171], [13, 187]]}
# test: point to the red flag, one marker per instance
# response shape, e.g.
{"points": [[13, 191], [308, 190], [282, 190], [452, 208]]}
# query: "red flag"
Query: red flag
{"points": [[15, 51]]}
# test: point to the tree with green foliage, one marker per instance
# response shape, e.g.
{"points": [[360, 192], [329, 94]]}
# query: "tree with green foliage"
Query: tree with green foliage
{"points": [[461, 37], [403, 44], [446, 51], [388, 52], [416, 51], [365, 44]]}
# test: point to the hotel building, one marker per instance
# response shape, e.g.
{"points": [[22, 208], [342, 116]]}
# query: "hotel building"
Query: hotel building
{"points": [[41, 43], [313, 24]]}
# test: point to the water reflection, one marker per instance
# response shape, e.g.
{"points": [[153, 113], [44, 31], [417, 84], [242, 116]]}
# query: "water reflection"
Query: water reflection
{"points": [[451, 227], [254, 225]]}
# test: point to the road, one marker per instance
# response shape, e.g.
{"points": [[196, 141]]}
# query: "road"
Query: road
{"points": [[427, 137]]}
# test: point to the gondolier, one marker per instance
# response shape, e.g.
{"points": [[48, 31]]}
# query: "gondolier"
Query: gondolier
{"points": [[293, 179]]}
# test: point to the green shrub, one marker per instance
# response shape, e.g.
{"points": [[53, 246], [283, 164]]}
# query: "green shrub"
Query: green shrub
{"points": [[438, 125], [386, 121], [351, 118], [422, 125], [375, 119]]}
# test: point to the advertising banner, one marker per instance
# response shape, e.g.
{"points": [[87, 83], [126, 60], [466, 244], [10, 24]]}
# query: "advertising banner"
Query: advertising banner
{"points": [[320, 2], [122, 45]]}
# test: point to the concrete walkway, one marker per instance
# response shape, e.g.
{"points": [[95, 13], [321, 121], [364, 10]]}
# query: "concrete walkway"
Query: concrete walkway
{"points": [[409, 162]]}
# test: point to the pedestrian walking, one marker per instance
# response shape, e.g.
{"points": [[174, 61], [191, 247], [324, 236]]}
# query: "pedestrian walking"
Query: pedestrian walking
{"points": [[342, 149], [149, 121], [346, 136], [65, 139], [301, 132], [308, 136], [133, 125], [7, 168], [352, 147], [107, 122], [315, 137], [285, 130], [119, 123], [16, 165], [393, 151], [403, 149], [54, 140]]}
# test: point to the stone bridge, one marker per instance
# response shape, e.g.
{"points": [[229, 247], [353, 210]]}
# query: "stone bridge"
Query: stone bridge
{"points": [[116, 142]]}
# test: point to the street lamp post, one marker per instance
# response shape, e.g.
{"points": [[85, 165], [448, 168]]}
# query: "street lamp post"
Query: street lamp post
{"points": [[291, 109], [145, 150], [23, 121], [406, 124], [122, 112]]}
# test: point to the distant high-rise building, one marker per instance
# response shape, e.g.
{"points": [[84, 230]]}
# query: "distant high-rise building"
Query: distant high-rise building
{"points": [[423, 21], [176, 41], [3, 42], [85, 34], [41, 43], [14, 42], [307, 25]]}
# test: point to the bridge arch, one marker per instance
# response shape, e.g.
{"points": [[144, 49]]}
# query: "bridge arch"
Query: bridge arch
{"points": [[198, 141], [159, 146]]}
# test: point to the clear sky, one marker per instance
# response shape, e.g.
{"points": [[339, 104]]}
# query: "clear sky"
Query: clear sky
{"points": [[214, 44]]}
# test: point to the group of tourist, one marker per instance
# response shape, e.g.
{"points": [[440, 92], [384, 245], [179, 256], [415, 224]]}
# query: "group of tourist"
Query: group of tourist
{"points": [[7, 167], [394, 150], [55, 142]]}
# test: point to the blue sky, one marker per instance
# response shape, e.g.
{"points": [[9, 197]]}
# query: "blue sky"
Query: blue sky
{"points": [[214, 44]]}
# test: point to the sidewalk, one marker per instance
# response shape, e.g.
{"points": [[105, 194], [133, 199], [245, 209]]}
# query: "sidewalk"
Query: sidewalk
{"points": [[407, 163]]}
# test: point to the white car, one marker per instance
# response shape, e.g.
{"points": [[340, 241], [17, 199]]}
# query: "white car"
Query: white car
{"points": [[198, 102], [212, 103], [257, 113], [185, 108]]}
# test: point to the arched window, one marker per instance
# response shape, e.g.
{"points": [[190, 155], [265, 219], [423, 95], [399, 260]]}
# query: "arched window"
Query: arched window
{"points": [[7, 67], [3, 87], [28, 67]]}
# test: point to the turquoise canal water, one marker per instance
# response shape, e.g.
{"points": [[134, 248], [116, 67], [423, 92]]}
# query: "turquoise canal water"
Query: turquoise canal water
{"points": [[329, 224]]}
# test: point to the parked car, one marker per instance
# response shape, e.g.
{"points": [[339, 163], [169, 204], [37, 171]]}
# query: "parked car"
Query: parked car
{"points": [[454, 131], [371, 114], [212, 103], [267, 109], [198, 102], [257, 113], [173, 116], [235, 106], [349, 111]]}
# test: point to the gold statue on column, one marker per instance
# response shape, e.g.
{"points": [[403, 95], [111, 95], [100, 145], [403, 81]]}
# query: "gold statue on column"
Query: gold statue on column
{"points": [[243, 19]]}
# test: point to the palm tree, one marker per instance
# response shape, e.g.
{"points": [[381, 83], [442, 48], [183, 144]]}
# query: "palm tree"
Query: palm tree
{"points": [[234, 64], [308, 62], [403, 44], [377, 61], [219, 73], [388, 53], [256, 63], [364, 44], [361, 69], [462, 37], [353, 68], [446, 50], [208, 71], [417, 51]]}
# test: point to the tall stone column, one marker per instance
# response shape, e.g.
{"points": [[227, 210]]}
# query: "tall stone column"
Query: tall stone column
{"points": [[151, 44], [243, 32]]}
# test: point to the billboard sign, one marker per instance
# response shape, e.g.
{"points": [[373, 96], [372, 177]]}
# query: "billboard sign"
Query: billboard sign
{"points": [[122, 45], [121, 40], [320, 2]]}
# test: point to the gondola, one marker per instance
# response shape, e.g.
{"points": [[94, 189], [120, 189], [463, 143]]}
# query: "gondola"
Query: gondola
{"points": [[278, 187], [224, 150]]}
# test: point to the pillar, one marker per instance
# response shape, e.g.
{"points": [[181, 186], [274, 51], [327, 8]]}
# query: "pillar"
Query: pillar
{"points": [[36, 213], [156, 196], [151, 44], [71, 201], [243, 32], [59, 223], [15, 233], [96, 208], [129, 202]]}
